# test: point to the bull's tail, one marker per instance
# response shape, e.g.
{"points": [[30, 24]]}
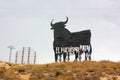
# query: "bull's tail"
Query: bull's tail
{"points": [[90, 48]]}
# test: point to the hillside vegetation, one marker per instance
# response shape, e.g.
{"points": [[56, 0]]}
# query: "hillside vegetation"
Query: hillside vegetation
{"points": [[86, 70]]}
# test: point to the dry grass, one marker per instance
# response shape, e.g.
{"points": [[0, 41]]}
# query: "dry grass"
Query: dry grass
{"points": [[86, 70]]}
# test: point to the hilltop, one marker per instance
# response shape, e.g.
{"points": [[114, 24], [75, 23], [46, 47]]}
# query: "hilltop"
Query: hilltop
{"points": [[86, 70]]}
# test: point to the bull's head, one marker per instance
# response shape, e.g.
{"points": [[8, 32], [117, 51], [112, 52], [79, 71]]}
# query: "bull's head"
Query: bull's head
{"points": [[59, 24]]}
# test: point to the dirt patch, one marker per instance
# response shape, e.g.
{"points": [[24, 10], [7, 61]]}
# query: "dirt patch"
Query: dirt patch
{"points": [[25, 76]]}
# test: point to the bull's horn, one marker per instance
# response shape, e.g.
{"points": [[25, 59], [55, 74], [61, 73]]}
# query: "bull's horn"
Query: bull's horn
{"points": [[66, 20], [51, 22]]}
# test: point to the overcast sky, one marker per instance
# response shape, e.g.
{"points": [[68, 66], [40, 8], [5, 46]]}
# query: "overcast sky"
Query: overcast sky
{"points": [[26, 23]]}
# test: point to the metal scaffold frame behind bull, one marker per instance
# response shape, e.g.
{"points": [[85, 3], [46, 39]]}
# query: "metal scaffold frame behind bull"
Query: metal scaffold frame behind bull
{"points": [[66, 43], [26, 55]]}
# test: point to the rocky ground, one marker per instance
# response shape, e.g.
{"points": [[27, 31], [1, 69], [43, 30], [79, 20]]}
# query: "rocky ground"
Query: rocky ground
{"points": [[86, 70]]}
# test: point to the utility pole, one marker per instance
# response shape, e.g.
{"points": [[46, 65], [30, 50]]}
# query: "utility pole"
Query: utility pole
{"points": [[22, 60], [34, 57], [11, 48], [16, 59], [28, 60]]}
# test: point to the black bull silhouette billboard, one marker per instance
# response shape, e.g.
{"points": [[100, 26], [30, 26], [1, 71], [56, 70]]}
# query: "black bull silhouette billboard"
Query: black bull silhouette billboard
{"points": [[66, 42]]}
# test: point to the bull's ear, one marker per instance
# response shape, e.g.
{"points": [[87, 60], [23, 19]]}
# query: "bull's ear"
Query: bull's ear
{"points": [[66, 20], [52, 23]]}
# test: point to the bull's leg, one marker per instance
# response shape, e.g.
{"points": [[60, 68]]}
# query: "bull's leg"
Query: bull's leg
{"points": [[64, 57], [60, 57], [89, 57], [68, 56], [76, 55], [80, 56], [85, 56], [56, 57]]}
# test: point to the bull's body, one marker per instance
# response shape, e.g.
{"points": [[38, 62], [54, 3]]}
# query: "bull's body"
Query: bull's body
{"points": [[64, 38], [82, 37]]}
